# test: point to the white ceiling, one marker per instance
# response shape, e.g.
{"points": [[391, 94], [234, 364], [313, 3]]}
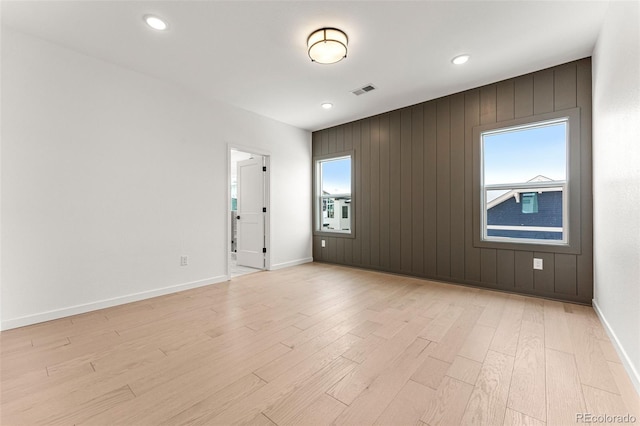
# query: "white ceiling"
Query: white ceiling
{"points": [[253, 54]]}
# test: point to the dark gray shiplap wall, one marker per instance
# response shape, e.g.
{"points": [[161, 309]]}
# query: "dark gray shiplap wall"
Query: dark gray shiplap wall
{"points": [[414, 188]]}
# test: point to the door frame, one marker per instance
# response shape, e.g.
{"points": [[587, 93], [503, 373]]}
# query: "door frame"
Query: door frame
{"points": [[267, 200]]}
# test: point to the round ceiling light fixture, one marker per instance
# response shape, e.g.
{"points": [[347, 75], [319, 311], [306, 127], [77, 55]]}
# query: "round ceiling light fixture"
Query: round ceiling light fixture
{"points": [[327, 45], [327, 105], [460, 59], [155, 22]]}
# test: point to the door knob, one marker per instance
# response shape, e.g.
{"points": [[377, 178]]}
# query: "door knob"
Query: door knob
{"points": [[238, 217]]}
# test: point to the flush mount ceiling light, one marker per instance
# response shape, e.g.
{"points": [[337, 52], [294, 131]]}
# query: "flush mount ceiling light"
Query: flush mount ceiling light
{"points": [[460, 59], [327, 105], [327, 45], [155, 22]]}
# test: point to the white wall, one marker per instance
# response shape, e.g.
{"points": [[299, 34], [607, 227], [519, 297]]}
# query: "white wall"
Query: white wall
{"points": [[616, 179], [108, 176]]}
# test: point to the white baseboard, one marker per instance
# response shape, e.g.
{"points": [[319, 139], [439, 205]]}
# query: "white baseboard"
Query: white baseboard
{"points": [[291, 263], [101, 304], [626, 360]]}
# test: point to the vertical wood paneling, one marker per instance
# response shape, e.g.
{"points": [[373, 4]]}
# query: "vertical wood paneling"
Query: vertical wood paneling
{"points": [[543, 91], [365, 209], [523, 96], [316, 144], [565, 274], [414, 189], [348, 251], [385, 206], [564, 86], [488, 273], [505, 100], [457, 186], [332, 252], [583, 100], [443, 189], [488, 260], [394, 192], [505, 268], [340, 250], [317, 249], [524, 270], [357, 145], [333, 142], [417, 190], [374, 201], [488, 104], [325, 142], [348, 136], [543, 280], [405, 188], [471, 119], [430, 193], [340, 139]]}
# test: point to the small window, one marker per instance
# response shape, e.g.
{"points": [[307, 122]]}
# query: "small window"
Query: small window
{"points": [[333, 192], [524, 183], [530, 203]]}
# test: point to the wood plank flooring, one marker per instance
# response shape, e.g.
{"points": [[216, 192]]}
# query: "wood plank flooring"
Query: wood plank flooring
{"points": [[317, 344]]}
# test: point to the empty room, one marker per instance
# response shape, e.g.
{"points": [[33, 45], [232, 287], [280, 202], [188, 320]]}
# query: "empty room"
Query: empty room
{"points": [[319, 212]]}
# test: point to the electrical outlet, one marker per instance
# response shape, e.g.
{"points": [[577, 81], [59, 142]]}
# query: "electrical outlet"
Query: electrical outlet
{"points": [[537, 263], [184, 260], [324, 244]]}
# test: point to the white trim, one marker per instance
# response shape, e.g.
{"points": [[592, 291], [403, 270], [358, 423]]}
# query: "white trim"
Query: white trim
{"points": [[534, 185], [634, 376], [538, 124], [525, 228], [319, 194], [291, 263], [107, 303]]}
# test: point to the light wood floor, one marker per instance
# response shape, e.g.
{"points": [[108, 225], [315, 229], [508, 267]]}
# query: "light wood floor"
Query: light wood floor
{"points": [[317, 344]]}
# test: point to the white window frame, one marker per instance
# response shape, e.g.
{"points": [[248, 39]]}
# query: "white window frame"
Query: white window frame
{"points": [[319, 197], [524, 187], [572, 214]]}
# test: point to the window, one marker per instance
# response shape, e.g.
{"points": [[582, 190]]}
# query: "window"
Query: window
{"points": [[530, 202], [333, 194], [524, 175]]}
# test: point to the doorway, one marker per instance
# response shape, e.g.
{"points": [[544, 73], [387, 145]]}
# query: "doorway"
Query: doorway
{"points": [[248, 212]]}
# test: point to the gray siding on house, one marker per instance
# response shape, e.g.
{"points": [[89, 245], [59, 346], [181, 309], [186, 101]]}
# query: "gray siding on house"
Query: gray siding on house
{"points": [[510, 213], [414, 188]]}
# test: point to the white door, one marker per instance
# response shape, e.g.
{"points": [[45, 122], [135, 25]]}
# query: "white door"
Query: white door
{"points": [[250, 217]]}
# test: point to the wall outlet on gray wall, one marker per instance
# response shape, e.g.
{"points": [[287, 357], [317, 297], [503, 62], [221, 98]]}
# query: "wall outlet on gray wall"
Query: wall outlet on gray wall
{"points": [[537, 263]]}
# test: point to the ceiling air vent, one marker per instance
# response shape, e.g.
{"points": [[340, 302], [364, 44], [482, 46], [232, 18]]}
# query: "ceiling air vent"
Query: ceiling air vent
{"points": [[363, 90]]}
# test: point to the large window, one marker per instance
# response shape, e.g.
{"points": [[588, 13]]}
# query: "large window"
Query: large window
{"points": [[333, 194], [524, 183]]}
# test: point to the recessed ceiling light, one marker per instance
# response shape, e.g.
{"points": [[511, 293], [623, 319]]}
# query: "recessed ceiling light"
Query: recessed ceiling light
{"points": [[460, 59], [155, 22], [327, 105]]}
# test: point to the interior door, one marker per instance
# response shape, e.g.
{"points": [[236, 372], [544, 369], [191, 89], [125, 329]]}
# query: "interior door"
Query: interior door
{"points": [[250, 214]]}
